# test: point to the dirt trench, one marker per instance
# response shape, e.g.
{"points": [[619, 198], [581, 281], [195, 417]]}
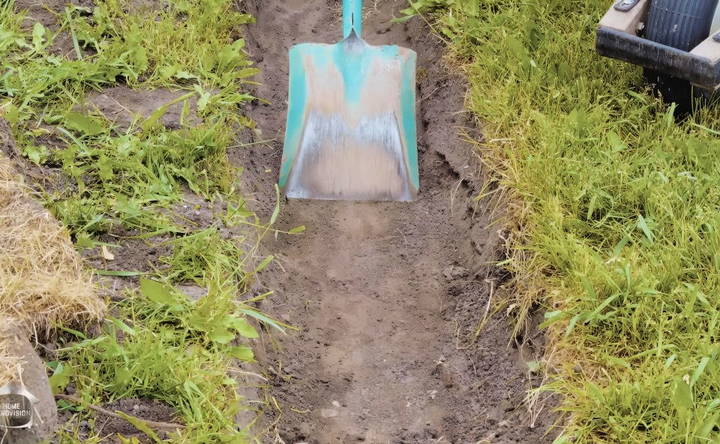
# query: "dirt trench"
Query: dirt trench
{"points": [[386, 296]]}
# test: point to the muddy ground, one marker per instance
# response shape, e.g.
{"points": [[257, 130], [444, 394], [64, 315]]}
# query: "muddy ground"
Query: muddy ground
{"points": [[387, 296]]}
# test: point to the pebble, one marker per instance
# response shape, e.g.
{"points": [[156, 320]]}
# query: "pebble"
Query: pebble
{"points": [[194, 292], [328, 413]]}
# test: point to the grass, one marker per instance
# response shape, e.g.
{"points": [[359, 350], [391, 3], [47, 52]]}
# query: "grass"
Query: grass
{"points": [[130, 183], [613, 217], [168, 347], [42, 279], [140, 51]]}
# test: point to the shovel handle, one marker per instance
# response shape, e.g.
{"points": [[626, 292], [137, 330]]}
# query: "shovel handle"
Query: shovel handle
{"points": [[352, 17]]}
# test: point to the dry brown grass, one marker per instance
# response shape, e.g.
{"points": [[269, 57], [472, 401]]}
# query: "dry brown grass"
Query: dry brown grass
{"points": [[42, 279]]}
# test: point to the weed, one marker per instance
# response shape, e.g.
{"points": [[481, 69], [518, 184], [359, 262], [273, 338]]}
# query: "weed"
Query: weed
{"points": [[121, 178], [196, 256], [120, 182], [165, 346]]}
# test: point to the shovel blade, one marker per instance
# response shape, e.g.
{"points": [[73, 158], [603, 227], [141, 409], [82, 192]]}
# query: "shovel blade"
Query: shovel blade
{"points": [[351, 130]]}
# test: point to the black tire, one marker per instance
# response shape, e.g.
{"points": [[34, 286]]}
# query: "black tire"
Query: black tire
{"points": [[682, 24], [681, 92]]}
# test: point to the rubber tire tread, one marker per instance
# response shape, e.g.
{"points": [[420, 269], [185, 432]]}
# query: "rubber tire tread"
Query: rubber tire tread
{"points": [[682, 24]]}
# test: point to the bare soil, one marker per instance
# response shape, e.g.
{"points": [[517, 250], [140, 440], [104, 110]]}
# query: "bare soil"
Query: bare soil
{"points": [[387, 296], [146, 409]]}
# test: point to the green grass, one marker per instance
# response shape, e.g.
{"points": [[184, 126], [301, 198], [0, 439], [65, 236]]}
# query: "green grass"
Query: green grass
{"points": [[164, 346], [118, 177], [614, 217], [157, 343]]}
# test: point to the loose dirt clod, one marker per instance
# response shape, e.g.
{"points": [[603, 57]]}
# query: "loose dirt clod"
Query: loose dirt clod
{"points": [[387, 296]]}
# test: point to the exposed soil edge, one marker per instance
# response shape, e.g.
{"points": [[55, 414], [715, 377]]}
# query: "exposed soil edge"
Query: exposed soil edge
{"points": [[489, 377]]}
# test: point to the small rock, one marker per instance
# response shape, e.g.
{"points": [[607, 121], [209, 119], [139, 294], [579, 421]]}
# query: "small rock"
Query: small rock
{"points": [[453, 272], [194, 292], [36, 382], [446, 375], [328, 413]]}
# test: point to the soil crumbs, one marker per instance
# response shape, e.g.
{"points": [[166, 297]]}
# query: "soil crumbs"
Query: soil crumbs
{"points": [[387, 296]]}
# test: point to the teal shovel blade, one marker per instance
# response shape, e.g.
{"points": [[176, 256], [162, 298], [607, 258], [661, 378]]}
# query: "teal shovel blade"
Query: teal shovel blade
{"points": [[351, 130]]}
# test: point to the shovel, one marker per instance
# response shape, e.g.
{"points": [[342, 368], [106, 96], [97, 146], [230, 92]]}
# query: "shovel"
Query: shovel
{"points": [[351, 131]]}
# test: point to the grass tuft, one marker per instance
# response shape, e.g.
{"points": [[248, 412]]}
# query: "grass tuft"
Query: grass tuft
{"points": [[42, 279]]}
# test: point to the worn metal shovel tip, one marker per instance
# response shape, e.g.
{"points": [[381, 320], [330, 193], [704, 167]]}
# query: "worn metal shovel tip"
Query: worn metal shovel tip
{"points": [[351, 130]]}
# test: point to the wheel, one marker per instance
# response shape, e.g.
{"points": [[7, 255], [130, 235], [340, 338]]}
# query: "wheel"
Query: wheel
{"points": [[670, 88], [682, 24]]}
